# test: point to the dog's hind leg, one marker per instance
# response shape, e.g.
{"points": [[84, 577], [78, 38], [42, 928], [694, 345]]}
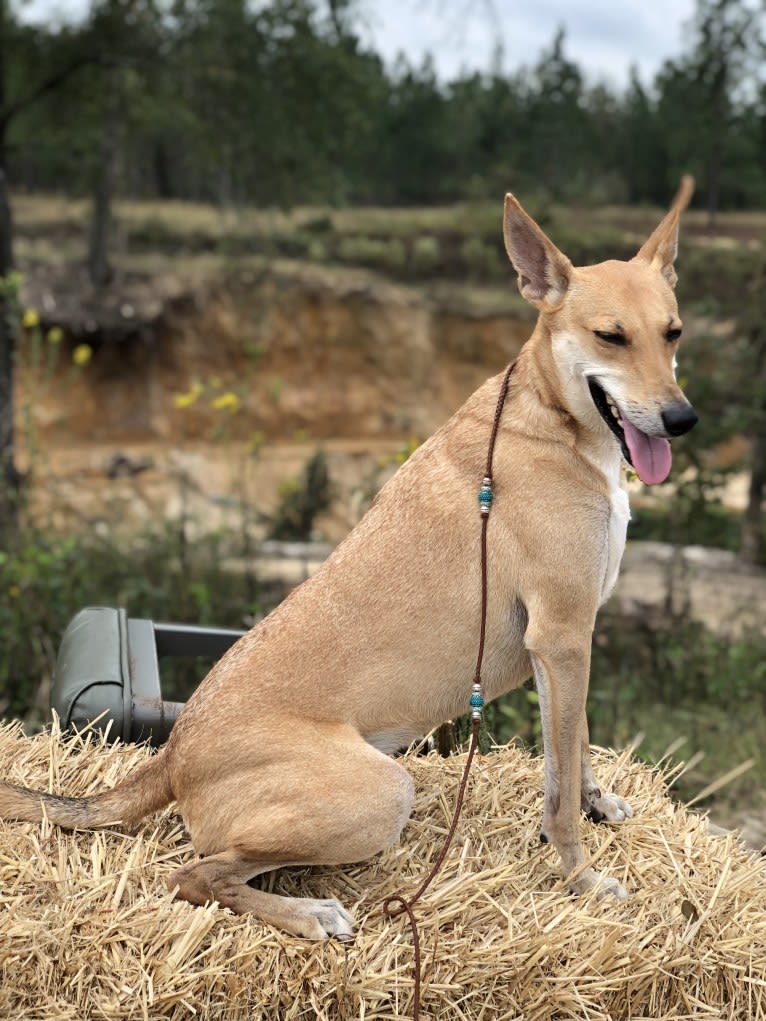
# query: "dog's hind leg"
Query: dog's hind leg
{"points": [[324, 798], [598, 806], [224, 878]]}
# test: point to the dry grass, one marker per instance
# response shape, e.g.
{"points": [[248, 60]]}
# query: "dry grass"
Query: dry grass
{"points": [[465, 218], [89, 931]]}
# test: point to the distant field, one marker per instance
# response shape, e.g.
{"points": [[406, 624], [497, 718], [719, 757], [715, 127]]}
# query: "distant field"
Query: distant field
{"points": [[464, 217], [142, 223]]}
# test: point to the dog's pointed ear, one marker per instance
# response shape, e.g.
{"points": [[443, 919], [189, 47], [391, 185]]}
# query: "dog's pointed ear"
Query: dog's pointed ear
{"points": [[544, 272], [661, 248]]}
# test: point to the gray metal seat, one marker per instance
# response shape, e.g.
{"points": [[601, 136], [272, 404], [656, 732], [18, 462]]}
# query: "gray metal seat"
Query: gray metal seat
{"points": [[107, 672]]}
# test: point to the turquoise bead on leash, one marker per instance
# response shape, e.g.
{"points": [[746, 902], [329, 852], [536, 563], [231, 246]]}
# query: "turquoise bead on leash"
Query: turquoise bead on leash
{"points": [[486, 496]]}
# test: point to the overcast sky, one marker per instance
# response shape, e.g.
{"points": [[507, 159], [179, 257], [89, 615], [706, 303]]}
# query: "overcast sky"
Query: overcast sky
{"points": [[604, 37]]}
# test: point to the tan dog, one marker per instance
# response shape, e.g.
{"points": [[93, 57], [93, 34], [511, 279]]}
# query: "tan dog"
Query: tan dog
{"points": [[281, 757]]}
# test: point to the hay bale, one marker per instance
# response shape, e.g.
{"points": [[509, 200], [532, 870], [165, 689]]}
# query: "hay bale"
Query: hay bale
{"points": [[88, 930]]}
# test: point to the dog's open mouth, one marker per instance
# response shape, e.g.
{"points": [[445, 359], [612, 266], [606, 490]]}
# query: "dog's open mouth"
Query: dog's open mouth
{"points": [[649, 455]]}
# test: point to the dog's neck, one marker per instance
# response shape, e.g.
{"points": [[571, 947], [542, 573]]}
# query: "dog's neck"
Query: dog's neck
{"points": [[554, 395]]}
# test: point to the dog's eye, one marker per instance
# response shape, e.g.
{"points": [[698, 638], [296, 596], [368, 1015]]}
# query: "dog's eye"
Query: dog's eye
{"points": [[611, 338], [672, 335]]}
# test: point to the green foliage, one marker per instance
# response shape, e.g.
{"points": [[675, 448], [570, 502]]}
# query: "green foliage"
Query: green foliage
{"points": [[302, 501], [482, 261], [10, 287], [704, 103], [677, 680], [378, 253], [679, 658], [38, 581], [689, 522], [425, 254], [278, 104], [160, 574], [515, 716]]}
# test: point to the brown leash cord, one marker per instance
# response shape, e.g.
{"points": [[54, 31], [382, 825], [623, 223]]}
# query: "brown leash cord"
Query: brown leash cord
{"points": [[397, 905]]}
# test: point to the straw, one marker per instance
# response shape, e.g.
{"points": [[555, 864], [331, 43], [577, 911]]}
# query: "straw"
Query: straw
{"points": [[88, 929]]}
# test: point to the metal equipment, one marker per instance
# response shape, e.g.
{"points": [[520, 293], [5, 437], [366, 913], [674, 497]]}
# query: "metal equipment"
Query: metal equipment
{"points": [[108, 673]]}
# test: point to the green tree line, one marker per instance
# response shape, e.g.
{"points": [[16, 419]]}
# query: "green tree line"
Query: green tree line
{"points": [[280, 103]]}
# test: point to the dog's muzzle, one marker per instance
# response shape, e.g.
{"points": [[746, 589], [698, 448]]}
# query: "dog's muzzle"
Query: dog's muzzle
{"points": [[648, 453]]}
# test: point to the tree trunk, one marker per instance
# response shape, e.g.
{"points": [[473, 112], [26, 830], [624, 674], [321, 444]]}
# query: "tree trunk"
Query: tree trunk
{"points": [[6, 223], [99, 268], [9, 480], [752, 550], [713, 184], [163, 179], [9, 477]]}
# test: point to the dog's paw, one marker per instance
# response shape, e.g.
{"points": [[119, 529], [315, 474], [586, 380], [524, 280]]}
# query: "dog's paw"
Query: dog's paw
{"points": [[605, 807], [609, 887], [604, 886], [323, 919]]}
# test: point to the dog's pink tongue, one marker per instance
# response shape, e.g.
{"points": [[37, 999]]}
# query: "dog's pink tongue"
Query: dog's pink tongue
{"points": [[650, 455]]}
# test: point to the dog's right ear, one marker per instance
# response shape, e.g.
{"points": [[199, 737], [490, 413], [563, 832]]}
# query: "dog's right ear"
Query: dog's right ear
{"points": [[544, 271]]}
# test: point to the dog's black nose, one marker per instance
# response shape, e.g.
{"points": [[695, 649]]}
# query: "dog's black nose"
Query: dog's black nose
{"points": [[679, 419]]}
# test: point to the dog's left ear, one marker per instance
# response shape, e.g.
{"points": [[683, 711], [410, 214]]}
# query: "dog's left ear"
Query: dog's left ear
{"points": [[544, 272], [661, 248]]}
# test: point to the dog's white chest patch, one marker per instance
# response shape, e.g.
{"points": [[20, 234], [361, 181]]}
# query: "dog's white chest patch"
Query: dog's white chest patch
{"points": [[618, 526]]}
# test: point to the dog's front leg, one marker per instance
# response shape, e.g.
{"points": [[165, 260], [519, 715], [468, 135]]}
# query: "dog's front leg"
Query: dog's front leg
{"points": [[597, 805], [561, 674]]}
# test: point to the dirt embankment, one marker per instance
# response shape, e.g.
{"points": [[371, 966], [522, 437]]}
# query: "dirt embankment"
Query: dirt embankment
{"points": [[328, 353], [205, 390]]}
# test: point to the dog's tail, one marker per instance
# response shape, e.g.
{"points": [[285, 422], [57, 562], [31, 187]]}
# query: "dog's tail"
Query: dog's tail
{"points": [[144, 791]]}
